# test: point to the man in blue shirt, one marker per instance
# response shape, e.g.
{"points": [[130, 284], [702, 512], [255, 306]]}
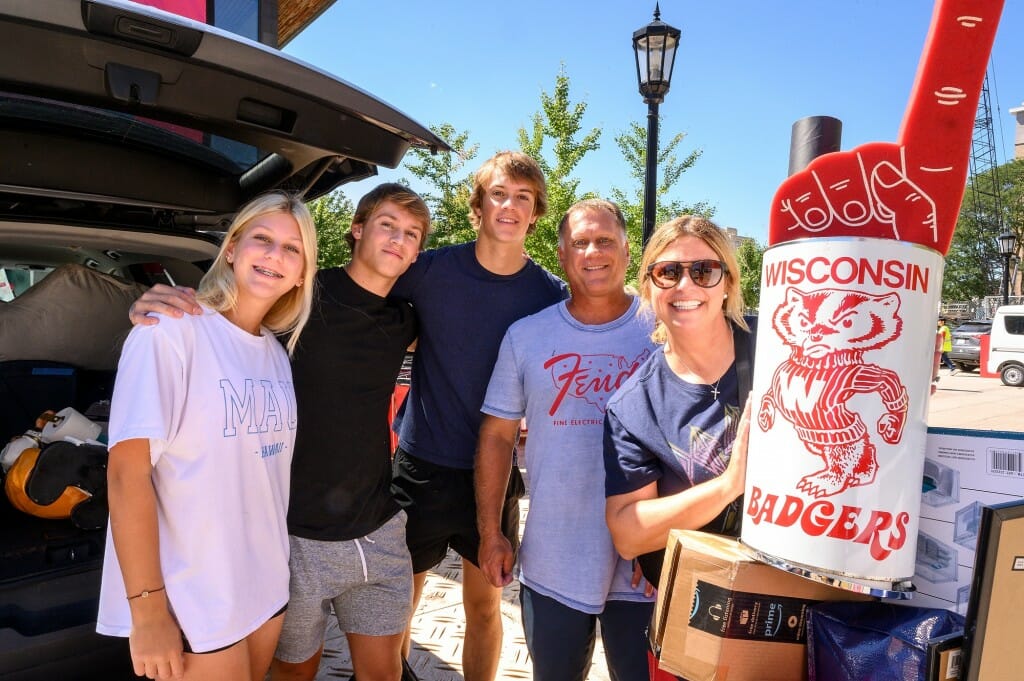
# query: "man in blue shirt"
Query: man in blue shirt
{"points": [[558, 369]]}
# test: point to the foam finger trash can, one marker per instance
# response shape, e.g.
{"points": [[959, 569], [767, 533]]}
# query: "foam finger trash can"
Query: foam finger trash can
{"points": [[840, 397]]}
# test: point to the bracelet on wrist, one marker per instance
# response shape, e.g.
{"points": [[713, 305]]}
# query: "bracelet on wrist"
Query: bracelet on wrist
{"points": [[145, 593]]}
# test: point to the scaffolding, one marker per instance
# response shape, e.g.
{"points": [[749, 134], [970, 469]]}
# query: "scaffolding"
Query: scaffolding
{"points": [[986, 199], [984, 203]]}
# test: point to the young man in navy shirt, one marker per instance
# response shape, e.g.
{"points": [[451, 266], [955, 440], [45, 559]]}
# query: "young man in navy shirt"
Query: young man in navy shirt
{"points": [[465, 297]]}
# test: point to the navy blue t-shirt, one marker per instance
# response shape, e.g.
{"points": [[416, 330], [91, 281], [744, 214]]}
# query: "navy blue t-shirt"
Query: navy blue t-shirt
{"points": [[463, 312], [660, 428]]}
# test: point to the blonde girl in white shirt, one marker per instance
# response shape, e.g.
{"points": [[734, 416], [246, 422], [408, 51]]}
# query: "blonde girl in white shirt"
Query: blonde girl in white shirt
{"points": [[202, 428]]}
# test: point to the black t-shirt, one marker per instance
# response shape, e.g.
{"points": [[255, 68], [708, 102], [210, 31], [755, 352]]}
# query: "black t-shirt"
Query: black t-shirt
{"points": [[344, 369]]}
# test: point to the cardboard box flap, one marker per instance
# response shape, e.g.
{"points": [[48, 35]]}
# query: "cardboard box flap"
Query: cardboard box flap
{"points": [[705, 551]]}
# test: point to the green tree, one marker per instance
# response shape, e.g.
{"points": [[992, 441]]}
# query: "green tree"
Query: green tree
{"points": [[750, 255], [973, 265], [1011, 176], [559, 120], [451, 186], [633, 145], [332, 214], [972, 260]]}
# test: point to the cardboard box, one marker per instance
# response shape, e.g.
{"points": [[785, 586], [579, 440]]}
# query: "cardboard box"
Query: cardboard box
{"points": [[964, 470], [722, 615]]}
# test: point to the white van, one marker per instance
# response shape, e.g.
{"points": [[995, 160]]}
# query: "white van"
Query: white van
{"points": [[1006, 354]]}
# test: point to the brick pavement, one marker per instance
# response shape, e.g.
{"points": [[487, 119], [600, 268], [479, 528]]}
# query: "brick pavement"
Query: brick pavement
{"points": [[438, 630]]}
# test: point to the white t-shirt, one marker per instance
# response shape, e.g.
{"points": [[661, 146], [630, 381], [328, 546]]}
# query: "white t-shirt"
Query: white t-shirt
{"points": [[218, 408], [559, 373]]}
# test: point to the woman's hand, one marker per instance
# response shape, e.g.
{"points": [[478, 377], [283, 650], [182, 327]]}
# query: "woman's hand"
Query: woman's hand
{"points": [[155, 640], [736, 472]]}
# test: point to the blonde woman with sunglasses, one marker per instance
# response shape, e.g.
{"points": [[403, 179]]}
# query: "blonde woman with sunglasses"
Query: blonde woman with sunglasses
{"points": [[675, 442]]}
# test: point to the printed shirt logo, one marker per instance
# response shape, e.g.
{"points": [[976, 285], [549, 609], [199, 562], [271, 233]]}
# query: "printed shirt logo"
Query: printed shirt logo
{"points": [[591, 378], [828, 332], [259, 407], [708, 453]]}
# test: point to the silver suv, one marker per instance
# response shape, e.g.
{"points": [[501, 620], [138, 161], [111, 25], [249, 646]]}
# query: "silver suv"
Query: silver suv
{"points": [[966, 352], [129, 137]]}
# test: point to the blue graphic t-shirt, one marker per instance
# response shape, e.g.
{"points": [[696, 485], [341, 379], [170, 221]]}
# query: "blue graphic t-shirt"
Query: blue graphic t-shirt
{"points": [[560, 373], [660, 428]]}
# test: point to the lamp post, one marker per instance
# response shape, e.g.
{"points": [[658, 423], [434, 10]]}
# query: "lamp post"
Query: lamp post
{"points": [[1007, 247], [655, 48]]}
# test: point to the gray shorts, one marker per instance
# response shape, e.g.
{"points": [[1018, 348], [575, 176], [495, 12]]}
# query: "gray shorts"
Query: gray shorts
{"points": [[368, 581]]}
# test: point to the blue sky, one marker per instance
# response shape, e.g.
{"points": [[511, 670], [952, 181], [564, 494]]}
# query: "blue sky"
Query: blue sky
{"points": [[745, 71]]}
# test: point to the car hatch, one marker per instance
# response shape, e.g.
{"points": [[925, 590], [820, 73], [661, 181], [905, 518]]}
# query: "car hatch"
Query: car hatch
{"points": [[111, 110], [969, 333]]}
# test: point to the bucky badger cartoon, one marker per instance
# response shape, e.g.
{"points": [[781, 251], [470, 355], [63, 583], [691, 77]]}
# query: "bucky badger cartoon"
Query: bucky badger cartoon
{"points": [[828, 332]]}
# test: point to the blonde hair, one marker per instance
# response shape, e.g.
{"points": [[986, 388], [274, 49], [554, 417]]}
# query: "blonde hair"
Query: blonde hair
{"points": [[708, 232], [218, 289], [516, 166]]}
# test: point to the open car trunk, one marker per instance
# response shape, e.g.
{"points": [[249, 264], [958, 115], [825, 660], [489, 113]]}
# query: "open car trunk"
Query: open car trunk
{"points": [[130, 137]]}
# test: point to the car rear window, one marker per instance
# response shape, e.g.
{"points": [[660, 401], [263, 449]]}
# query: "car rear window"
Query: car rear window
{"points": [[16, 280], [973, 327], [227, 155]]}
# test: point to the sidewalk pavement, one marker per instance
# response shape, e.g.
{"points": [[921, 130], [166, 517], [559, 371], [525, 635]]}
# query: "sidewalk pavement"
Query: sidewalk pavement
{"points": [[968, 400], [963, 400]]}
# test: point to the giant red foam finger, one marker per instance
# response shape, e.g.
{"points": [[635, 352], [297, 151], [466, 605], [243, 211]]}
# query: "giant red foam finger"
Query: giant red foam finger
{"points": [[849, 289], [934, 140]]}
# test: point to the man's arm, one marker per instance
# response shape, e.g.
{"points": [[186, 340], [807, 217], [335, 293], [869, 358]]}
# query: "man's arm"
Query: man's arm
{"points": [[491, 472], [172, 301]]}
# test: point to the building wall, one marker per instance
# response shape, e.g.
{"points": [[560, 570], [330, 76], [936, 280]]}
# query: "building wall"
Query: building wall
{"points": [[1018, 144], [253, 19], [735, 238], [271, 22]]}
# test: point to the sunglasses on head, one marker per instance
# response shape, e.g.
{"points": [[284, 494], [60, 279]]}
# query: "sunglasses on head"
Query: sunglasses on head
{"points": [[703, 273]]}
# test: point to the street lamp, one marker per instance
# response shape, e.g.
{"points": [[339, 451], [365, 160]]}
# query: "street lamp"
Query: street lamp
{"points": [[1007, 247], [655, 48]]}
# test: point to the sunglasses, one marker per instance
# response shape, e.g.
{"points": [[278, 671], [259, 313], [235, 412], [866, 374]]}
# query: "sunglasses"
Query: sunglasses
{"points": [[703, 273]]}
